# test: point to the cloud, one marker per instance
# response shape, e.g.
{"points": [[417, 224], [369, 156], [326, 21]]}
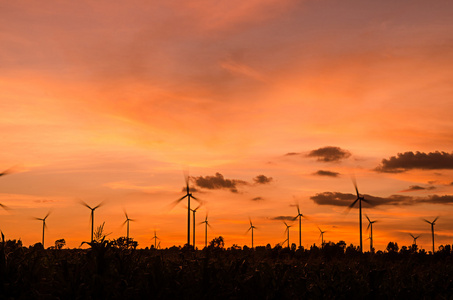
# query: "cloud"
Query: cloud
{"points": [[326, 173], [341, 199], [258, 199], [413, 188], [262, 179], [329, 154], [292, 154], [418, 160], [283, 218], [218, 182]]}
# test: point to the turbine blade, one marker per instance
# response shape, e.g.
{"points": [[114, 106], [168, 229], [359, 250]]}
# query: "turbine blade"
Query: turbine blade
{"points": [[412, 235], [367, 218], [248, 230], [298, 209], [427, 221], [84, 204], [7, 171], [353, 203], [354, 182], [4, 207], [369, 225], [435, 219], [99, 205], [47, 215]]}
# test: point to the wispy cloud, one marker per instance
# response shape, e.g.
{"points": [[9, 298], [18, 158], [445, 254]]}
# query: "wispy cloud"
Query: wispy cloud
{"points": [[283, 218], [258, 199], [414, 188], [329, 154], [403, 162]]}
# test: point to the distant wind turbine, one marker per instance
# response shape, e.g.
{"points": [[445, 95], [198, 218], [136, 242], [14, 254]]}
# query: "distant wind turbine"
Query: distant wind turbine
{"points": [[127, 221], [194, 211], [155, 238], [92, 216], [206, 230], [432, 228], [287, 232], [359, 199], [44, 226], [322, 237], [251, 228], [299, 215], [414, 242], [370, 226], [188, 195]]}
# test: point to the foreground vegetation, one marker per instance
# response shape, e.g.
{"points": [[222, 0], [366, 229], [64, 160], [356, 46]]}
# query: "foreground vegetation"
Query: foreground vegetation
{"points": [[109, 271]]}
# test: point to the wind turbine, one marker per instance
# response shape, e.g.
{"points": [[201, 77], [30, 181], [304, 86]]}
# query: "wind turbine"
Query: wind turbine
{"points": [[299, 215], [415, 238], [287, 232], [432, 228], [127, 221], [155, 238], [188, 195], [370, 226], [359, 199], [43, 226], [91, 216], [194, 211], [322, 237], [251, 228], [206, 230]]}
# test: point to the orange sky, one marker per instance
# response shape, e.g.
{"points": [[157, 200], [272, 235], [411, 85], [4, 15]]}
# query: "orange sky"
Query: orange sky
{"points": [[110, 102]]}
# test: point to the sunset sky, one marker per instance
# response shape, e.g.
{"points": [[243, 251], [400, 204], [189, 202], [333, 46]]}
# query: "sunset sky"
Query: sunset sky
{"points": [[264, 103]]}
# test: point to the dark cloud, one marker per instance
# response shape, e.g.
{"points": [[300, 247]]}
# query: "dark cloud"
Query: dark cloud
{"points": [[283, 218], [218, 182], [451, 183], [414, 188], [326, 173], [340, 199], [257, 199], [418, 160], [329, 154], [261, 179], [292, 154]]}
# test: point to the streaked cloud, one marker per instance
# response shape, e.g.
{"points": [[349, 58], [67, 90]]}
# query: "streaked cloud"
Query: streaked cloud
{"points": [[283, 218]]}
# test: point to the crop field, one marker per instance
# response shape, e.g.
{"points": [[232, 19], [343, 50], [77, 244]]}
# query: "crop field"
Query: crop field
{"points": [[106, 272]]}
